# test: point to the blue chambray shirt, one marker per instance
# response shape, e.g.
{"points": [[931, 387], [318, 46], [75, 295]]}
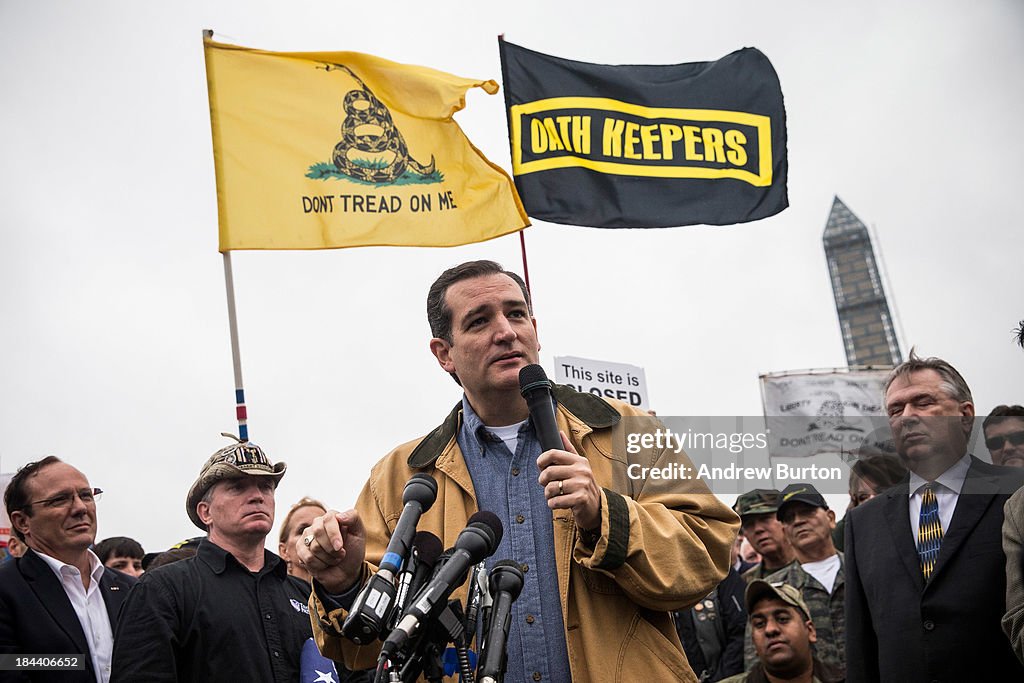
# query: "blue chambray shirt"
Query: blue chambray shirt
{"points": [[506, 484]]}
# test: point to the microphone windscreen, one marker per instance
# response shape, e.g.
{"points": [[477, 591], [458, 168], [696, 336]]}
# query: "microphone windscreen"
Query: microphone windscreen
{"points": [[505, 563], [531, 377], [506, 576], [421, 488], [491, 521], [428, 547]]}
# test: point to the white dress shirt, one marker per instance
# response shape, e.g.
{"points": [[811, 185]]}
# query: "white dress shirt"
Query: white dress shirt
{"points": [[947, 490], [90, 608]]}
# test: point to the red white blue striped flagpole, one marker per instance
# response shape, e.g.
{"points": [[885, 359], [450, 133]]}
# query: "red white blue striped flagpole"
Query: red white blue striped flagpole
{"points": [[240, 413]]}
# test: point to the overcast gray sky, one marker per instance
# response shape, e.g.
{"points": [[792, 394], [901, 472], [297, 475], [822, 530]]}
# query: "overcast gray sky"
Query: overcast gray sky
{"points": [[114, 348]]}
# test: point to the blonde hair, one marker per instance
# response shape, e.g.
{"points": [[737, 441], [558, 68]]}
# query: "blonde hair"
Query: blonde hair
{"points": [[304, 502]]}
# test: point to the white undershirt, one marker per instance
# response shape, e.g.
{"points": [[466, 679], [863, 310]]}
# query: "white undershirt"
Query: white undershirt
{"points": [[509, 434], [90, 608], [947, 491], [824, 571]]}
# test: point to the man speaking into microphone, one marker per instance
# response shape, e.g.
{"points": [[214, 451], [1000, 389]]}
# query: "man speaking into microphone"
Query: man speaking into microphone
{"points": [[603, 561]]}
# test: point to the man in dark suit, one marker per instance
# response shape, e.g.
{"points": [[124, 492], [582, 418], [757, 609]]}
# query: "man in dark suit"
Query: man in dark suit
{"points": [[58, 598], [925, 574]]}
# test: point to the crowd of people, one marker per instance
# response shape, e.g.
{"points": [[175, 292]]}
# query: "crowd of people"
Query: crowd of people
{"points": [[922, 579], [623, 580]]}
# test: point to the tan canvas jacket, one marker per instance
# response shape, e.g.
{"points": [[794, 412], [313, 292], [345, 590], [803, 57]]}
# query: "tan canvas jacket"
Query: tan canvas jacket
{"points": [[664, 543]]}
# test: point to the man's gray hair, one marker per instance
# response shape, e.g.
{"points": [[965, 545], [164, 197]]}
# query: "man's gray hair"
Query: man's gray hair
{"points": [[952, 381]]}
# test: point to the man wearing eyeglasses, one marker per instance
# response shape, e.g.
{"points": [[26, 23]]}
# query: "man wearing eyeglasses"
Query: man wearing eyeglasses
{"points": [[58, 598]]}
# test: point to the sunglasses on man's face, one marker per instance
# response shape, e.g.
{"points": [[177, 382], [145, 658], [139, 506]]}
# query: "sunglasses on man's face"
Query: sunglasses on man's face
{"points": [[994, 443]]}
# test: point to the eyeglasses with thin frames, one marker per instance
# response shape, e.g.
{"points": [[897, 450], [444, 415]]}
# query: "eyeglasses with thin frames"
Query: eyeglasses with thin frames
{"points": [[65, 500], [994, 443]]}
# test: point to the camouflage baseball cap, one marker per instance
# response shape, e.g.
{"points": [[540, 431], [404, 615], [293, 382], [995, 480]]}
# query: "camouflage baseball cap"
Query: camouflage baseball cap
{"points": [[801, 493], [758, 589], [757, 502], [240, 459]]}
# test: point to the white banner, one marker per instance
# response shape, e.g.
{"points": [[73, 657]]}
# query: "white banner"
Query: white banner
{"points": [[813, 412], [625, 382]]}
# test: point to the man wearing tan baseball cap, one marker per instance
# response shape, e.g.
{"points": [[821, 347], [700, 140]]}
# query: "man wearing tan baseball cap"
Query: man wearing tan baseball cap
{"points": [[783, 636]]}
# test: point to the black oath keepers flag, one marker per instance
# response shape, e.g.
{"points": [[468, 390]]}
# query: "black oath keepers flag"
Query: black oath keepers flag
{"points": [[646, 146]]}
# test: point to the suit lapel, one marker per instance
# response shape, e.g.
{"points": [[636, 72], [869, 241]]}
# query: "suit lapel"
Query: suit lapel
{"points": [[113, 595], [897, 516], [975, 497], [47, 587]]}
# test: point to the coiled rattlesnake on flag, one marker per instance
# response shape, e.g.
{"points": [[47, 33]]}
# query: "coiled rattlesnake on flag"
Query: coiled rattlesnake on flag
{"points": [[369, 128]]}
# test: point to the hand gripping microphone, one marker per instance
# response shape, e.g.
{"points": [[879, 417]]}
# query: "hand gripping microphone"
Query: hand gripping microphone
{"points": [[371, 609], [478, 540], [506, 581], [536, 389]]}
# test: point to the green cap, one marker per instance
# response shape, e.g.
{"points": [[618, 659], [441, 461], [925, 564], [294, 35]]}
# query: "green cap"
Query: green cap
{"points": [[759, 589], [757, 502]]}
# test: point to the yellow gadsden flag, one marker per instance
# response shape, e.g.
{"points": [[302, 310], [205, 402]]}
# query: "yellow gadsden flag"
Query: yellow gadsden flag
{"points": [[319, 150]]}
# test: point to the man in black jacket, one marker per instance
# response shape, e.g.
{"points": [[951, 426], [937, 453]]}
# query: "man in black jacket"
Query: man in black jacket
{"points": [[58, 598], [712, 630], [925, 573], [231, 612]]}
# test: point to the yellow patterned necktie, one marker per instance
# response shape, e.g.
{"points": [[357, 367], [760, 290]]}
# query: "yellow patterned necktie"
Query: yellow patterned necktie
{"points": [[929, 532]]}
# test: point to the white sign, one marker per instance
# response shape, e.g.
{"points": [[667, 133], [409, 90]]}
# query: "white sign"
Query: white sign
{"points": [[825, 412], [626, 383]]}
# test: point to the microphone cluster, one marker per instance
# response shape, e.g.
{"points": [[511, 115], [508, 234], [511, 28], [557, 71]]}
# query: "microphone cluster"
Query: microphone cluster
{"points": [[406, 602], [374, 606]]}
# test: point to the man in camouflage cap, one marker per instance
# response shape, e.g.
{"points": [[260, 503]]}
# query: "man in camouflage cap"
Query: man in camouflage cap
{"points": [[760, 526], [253, 614], [236, 461], [817, 572], [783, 635]]}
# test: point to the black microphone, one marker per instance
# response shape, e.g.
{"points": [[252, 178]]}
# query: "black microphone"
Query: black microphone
{"points": [[536, 389], [420, 493], [373, 607], [478, 540], [426, 548], [506, 581]]}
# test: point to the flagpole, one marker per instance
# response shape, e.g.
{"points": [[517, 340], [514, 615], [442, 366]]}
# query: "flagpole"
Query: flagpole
{"points": [[526, 270], [236, 358]]}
